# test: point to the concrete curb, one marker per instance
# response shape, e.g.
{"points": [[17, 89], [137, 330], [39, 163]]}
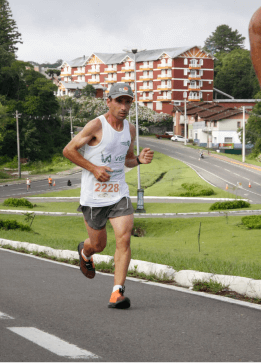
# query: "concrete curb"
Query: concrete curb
{"points": [[241, 285], [142, 215]]}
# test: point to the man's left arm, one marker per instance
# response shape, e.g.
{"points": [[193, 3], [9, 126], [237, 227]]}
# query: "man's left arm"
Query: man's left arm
{"points": [[133, 160]]}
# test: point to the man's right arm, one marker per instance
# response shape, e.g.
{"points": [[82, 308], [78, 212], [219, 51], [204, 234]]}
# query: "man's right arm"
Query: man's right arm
{"points": [[71, 150]]}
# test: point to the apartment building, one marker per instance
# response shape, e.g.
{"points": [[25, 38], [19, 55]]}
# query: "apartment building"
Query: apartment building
{"points": [[165, 77]]}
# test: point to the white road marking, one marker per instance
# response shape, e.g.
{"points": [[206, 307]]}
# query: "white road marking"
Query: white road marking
{"points": [[53, 344], [5, 316]]}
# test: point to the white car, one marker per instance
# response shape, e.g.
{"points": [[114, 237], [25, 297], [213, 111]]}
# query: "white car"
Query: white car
{"points": [[178, 138]]}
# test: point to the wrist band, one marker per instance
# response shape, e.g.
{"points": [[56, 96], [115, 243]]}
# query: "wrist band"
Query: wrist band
{"points": [[138, 160]]}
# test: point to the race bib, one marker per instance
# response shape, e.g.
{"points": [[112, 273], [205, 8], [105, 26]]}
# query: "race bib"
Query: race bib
{"points": [[106, 190]]}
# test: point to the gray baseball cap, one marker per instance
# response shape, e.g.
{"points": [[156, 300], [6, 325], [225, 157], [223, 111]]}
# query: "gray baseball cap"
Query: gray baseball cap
{"points": [[120, 89]]}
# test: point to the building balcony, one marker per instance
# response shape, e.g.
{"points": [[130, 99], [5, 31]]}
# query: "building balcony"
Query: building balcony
{"points": [[146, 78], [90, 71], [194, 99], [127, 69], [165, 76], [194, 77], [110, 70], [79, 73], [110, 80], [163, 88], [146, 68], [128, 79], [65, 74], [146, 88], [194, 66], [164, 66], [146, 99], [194, 88], [163, 99], [93, 81]]}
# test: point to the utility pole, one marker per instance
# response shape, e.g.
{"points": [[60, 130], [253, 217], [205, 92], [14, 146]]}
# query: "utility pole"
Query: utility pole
{"points": [[185, 120], [70, 110], [244, 136], [18, 144]]}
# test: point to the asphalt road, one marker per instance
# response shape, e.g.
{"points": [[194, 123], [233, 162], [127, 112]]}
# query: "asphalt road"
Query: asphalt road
{"points": [[49, 309], [215, 171], [18, 190]]}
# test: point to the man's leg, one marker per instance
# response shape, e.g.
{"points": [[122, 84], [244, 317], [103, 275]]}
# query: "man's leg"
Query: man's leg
{"points": [[122, 228], [95, 243]]}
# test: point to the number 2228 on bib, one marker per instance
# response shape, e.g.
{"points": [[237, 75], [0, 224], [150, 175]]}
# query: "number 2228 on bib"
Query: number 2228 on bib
{"points": [[106, 190]]}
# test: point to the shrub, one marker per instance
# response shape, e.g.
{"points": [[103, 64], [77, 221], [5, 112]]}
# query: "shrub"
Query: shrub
{"points": [[14, 202], [230, 205], [12, 224], [195, 190], [4, 175], [252, 222]]}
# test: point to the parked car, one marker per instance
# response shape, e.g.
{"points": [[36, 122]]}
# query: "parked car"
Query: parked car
{"points": [[178, 138], [167, 135]]}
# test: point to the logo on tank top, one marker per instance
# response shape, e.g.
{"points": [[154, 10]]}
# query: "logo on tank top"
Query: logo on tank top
{"points": [[119, 158], [106, 159], [125, 143]]}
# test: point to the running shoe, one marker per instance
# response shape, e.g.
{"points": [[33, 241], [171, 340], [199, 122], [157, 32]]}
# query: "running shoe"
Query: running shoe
{"points": [[86, 266], [118, 301]]}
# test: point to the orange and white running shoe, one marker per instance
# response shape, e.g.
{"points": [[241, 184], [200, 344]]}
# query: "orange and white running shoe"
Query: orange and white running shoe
{"points": [[86, 266], [118, 301]]}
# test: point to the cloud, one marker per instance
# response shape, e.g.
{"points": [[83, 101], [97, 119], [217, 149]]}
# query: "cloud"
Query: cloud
{"points": [[65, 29]]}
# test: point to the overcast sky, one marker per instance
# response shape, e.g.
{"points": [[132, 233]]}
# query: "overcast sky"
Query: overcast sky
{"points": [[67, 29]]}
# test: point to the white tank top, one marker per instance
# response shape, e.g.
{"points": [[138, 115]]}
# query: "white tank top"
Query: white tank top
{"points": [[111, 152]]}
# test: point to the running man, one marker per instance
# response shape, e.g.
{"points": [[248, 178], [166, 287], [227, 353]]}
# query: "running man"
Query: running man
{"points": [[50, 182], [28, 184], [108, 144]]}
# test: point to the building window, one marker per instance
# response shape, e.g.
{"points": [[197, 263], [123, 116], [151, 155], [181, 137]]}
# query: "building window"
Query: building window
{"points": [[238, 124], [228, 139], [215, 123], [185, 95], [158, 106], [201, 62], [186, 61]]}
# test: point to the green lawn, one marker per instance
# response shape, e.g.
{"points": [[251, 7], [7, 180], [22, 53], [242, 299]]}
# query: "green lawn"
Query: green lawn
{"points": [[163, 177], [226, 246]]}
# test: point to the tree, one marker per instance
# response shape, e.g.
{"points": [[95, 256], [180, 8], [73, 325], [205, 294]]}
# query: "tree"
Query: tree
{"points": [[9, 36], [89, 91], [52, 72], [253, 128], [236, 75], [224, 39]]}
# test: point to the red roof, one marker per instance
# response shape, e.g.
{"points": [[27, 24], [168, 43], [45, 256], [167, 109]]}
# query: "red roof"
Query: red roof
{"points": [[208, 111]]}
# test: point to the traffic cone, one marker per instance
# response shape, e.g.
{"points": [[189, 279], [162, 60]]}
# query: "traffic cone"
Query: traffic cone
{"points": [[54, 183], [249, 185], [226, 186]]}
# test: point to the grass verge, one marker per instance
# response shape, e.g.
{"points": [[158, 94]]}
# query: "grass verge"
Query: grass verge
{"points": [[225, 246]]}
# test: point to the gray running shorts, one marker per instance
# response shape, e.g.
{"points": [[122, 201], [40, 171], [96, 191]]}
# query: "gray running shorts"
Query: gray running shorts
{"points": [[97, 217]]}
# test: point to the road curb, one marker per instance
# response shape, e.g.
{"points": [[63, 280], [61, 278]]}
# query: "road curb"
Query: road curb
{"points": [[242, 285]]}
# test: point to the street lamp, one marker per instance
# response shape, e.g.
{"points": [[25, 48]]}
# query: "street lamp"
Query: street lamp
{"points": [[140, 192], [185, 120]]}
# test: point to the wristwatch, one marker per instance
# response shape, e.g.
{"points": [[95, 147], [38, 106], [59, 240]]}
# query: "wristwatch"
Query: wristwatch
{"points": [[138, 160]]}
